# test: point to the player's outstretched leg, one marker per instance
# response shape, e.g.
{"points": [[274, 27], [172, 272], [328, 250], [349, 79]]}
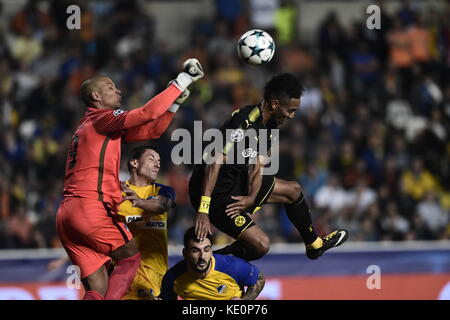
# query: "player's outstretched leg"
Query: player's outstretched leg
{"points": [[290, 193]]}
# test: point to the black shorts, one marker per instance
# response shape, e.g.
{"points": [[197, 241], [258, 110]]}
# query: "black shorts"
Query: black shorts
{"points": [[220, 201]]}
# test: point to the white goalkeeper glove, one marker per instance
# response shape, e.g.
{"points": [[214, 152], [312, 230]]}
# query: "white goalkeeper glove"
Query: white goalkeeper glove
{"points": [[192, 71], [181, 98]]}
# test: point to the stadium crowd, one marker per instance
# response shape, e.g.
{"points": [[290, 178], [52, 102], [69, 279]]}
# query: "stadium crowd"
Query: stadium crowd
{"points": [[369, 144]]}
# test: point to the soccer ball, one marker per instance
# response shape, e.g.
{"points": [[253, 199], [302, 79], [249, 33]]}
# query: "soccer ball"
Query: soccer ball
{"points": [[256, 47]]}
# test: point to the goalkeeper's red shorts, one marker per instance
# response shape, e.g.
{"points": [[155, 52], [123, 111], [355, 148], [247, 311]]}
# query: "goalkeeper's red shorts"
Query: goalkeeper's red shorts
{"points": [[89, 231]]}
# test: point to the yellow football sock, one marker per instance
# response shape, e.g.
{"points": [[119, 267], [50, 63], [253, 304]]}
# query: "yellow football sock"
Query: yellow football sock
{"points": [[316, 244]]}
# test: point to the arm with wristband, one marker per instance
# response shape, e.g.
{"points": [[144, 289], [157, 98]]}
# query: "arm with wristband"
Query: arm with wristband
{"points": [[202, 224]]}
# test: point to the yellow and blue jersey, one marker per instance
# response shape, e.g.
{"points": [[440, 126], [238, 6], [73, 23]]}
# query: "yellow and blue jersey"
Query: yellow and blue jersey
{"points": [[225, 280], [151, 236]]}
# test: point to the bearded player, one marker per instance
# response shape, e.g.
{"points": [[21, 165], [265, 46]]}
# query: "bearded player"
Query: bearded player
{"points": [[87, 220], [202, 275], [226, 192]]}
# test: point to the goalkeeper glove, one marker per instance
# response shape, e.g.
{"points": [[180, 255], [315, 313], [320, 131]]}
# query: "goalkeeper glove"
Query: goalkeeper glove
{"points": [[192, 71], [181, 98]]}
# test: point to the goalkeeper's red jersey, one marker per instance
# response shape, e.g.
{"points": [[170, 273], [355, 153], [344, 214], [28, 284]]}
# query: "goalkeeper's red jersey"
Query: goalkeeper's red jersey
{"points": [[93, 160]]}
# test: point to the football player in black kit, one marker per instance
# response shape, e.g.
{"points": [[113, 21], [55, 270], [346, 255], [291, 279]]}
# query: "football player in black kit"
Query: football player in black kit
{"points": [[228, 190]]}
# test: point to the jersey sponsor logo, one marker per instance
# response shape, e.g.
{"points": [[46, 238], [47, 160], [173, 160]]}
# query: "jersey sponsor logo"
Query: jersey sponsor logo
{"points": [[152, 224], [221, 289], [239, 221], [237, 135], [129, 219], [155, 224], [118, 112], [249, 152]]}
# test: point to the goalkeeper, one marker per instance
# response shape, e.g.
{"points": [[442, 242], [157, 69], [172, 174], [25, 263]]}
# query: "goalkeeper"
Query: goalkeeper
{"points": [[87, 220]]}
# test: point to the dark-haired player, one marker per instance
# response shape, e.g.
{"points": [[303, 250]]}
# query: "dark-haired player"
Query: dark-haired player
{"points": [[226, 193], [145, 212], [86, 220], [203, 275]]}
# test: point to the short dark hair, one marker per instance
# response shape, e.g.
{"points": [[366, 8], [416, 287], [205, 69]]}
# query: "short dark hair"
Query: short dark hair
{"points": [[86, 89], [190, 235], [137, 152], [282, 86]]}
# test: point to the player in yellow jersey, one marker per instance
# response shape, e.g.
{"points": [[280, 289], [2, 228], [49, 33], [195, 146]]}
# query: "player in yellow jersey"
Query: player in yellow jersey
{"points": [[203, 275], [145, 213]]}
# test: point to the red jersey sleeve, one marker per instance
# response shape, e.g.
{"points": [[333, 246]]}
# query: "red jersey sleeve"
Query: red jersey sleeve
{"points": [[153, 108], [152, 130], [114, 122]]}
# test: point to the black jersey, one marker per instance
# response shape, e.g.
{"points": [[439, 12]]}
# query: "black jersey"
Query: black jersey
{"points": [[245, 137]]}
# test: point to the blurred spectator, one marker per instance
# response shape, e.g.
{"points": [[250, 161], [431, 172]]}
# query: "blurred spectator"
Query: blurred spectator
{"points": [[334, 121], [395, 227], [25, 48], [420, 42], [331, 196], [374, 157], [400, 53], [312, 180], [262, 14], [230, 11], [21, 229], [433, 215], [332, 37], [364, 67], [286, 22], [360, 198], [417, 181]]}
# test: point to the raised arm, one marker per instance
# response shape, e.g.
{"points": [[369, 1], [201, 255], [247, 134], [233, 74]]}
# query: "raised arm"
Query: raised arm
{"points": [[202, 224], [153, 109], [192, 71], [117, 122], [154, 205], [155, 128], [152, 130]]}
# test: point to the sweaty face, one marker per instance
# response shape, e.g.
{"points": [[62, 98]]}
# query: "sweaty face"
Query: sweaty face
{"points": [[198, 255], [149, 164], [109, 95], [285, 110]]}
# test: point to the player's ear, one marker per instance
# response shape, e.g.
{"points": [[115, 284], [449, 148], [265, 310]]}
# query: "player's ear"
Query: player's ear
{"points": [[95, 96], [184, 253], [134, 163], [274, 104]]}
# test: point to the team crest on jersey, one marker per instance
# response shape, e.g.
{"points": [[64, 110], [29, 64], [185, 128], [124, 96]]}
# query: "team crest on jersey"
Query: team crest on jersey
{"points": [[221, 289], [118, 112], [239, 221], [249, 152], [237, 135]]}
